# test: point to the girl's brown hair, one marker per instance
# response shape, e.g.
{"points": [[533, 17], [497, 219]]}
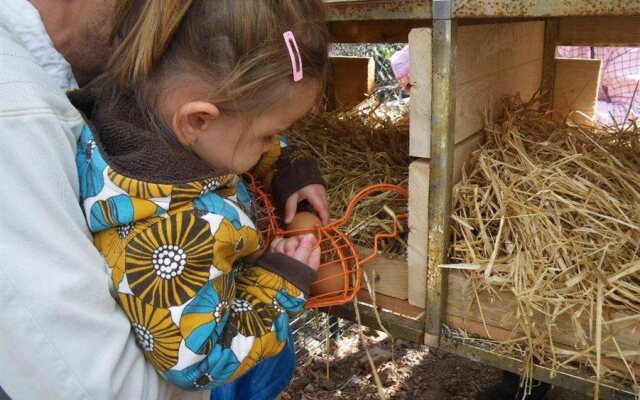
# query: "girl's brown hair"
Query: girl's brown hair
{"points": [[233, 46]]}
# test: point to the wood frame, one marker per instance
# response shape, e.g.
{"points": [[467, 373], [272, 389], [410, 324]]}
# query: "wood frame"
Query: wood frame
{"points": [[561, 27]]}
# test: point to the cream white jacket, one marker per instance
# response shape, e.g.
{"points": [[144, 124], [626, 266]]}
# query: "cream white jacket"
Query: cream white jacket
{"points": [[62, 335]]}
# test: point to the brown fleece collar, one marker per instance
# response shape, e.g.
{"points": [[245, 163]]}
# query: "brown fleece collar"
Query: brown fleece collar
{"points": [[130, 147]]}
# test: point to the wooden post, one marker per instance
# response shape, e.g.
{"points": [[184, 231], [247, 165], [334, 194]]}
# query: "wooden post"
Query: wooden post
{"points": [[353, 80]]}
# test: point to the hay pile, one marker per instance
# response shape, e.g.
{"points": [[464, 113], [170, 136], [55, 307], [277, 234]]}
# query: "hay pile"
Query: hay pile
{"points": [[551, 213], [356, 149]]}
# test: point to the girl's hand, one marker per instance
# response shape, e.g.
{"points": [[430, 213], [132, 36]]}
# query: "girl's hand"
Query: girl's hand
{"points": [[316, 195], [300, 247]]}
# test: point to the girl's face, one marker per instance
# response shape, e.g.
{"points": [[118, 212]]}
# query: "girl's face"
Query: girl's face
{"points": [[236, 144]]}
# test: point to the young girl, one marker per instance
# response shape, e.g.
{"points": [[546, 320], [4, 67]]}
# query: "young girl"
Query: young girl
{"points": [[196, 94]]}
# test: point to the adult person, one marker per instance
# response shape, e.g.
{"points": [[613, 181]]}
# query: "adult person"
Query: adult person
{"points": [[62, 335]]}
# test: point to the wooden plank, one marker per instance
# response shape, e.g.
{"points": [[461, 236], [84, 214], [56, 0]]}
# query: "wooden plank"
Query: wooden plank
{"points": [[551, 27], [580, 381], [488, 94], [420, 75], [401, 326], [418, 232], [392, 304], [494, 60], [576, 89], [499, 317], [388, 276], [353, 80], [419, 211], [500, 334], [388, 31], [600, 31]]}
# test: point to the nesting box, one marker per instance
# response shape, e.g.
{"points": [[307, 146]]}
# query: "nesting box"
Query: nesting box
{"points": [[466, 56]]}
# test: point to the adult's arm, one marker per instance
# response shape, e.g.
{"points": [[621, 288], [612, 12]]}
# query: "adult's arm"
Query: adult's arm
{"points": [[618, 99], [62, 335]]}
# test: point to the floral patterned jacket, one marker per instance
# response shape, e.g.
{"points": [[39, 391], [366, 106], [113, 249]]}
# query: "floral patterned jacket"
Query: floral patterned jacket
{"points": [[189, 268]]}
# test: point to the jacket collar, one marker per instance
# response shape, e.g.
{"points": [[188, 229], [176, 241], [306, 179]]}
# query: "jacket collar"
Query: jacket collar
{"points": [[131, 148]]}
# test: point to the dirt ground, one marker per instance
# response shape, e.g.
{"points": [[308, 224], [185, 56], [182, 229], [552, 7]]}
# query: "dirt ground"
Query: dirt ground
{"points": [[407, 371]]}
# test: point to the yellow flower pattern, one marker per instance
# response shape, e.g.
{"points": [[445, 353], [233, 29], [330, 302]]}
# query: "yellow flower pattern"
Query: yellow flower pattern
{"points": [[185, 276], [139, 189], [167, 264], [154, 330]]}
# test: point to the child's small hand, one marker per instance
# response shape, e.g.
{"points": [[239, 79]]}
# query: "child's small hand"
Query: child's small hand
{"points": [[316, 195], [300, 247]]}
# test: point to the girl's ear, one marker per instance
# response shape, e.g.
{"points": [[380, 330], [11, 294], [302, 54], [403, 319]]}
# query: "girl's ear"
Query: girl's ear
{"points": [[192, 119]]}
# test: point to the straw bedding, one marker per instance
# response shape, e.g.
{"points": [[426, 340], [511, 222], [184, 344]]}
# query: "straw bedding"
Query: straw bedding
{"points": [[551, 213], [355, 149]]}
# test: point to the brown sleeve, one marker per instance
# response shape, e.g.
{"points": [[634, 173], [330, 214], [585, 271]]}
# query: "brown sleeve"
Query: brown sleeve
{"points": [[293, 172], [290, 269]]}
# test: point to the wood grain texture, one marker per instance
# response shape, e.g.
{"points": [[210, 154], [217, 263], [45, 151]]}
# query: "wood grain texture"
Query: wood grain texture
{"points": [[353, 80], [418, 232], [420, 78], [388, 276], [494, 61], [499, 321], [576, 88], [599, 31], [419, 214]]}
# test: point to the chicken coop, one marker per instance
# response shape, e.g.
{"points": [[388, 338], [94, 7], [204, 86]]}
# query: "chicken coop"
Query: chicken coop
{"points": [[466, 57]]}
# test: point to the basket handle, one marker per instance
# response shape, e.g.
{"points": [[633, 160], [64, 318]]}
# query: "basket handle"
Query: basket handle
{"points": [[381, 187]]}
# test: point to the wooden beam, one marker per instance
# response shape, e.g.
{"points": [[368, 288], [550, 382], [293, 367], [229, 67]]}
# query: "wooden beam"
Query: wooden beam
{"points": [[420, 77], [599, 31], [388, 31], [388, 276], [418, 232], [498, 319], [353, 80], [551, 27], [502, 335], [396, 306], [419, 214], [576, 89], [494, 60], [393, 315]]}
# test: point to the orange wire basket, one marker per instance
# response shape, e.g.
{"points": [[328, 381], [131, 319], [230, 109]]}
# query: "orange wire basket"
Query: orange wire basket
{"points": [[340, 271]]}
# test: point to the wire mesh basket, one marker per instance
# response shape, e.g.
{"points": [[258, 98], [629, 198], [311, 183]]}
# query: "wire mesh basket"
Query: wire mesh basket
{"points": [[340, 272]]}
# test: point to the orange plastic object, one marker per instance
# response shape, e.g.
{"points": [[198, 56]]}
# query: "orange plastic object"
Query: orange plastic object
{"points": [[336, 247]]}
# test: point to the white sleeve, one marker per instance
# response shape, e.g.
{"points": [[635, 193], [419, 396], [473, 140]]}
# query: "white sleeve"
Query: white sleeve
{"points": [[62, 335]]}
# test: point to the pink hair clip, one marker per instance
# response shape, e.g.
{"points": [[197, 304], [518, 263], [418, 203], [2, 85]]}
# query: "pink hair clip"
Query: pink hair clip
{"points": [[294, 52]]}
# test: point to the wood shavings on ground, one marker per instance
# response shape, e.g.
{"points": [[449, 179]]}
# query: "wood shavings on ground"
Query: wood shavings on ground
{"points": [[355, 149], [551, 213]]}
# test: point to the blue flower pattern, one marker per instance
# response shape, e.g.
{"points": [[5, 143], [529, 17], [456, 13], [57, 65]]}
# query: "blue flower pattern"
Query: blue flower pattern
{"points": [[90, 164]]}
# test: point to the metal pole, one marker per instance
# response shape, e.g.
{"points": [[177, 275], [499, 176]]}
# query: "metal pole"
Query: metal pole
{"points": [[444, 41]]}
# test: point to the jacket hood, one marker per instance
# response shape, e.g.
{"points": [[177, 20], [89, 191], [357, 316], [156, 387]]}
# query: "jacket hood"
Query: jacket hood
{"points": [[130, 147]]}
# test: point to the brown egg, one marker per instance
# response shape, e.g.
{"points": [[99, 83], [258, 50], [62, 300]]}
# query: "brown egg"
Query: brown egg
{"points": [[330, 280], [304, 220]]}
